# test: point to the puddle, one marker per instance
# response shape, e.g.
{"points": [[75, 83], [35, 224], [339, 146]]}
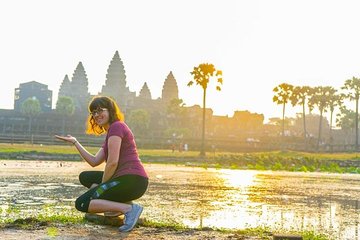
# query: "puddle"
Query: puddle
{"points": [[198, 197]]}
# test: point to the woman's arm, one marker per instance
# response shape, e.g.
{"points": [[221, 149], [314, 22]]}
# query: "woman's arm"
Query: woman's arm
{"points": [[92, 160], [114, 144]]}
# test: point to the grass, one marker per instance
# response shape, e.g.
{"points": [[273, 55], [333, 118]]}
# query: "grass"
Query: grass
{"points": [[35, 148], [51, 223], [271, 160], [69, 149]]}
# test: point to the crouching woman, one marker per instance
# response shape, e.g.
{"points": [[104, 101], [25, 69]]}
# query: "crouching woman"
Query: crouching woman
{"points": [[124, 178]]}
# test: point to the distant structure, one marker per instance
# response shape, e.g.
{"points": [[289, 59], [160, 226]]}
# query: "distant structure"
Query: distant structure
{"points": [[170, 89], [77, 88], [145, 93], [115, 85], [166, 120], [34, 90], [65, 87]]}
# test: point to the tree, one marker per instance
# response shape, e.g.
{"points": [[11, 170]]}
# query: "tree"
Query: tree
{"points": [[346, 121], [31, 108], [282, 96], [139, 121], [175, 112], [298, 97], [65, 106], [352, 92], [320, 98], [335, 100], [202, 75]]}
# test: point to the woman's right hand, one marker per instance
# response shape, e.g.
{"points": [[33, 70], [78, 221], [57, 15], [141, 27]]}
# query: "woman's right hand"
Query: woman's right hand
{"points": [[67, 138]]}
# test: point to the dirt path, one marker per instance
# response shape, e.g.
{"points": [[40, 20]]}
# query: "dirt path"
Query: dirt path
{"points": [[98, 232]]}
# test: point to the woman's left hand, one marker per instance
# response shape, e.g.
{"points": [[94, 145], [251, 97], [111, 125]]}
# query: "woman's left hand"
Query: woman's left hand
{"points": [[67, 138]]}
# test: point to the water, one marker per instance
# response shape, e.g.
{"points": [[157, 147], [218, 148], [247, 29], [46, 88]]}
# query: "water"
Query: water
{"points": [[198, 197]]}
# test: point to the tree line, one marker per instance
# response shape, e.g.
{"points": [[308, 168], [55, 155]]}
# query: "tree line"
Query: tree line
{"points": [[324, 99]]}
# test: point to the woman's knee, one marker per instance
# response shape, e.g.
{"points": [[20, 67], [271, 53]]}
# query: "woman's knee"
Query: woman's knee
{"points": [[82, 204], [83, 178], [87, 178]]}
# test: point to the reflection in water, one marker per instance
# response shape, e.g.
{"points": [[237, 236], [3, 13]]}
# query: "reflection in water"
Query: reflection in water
{"points": [[326, 203], [197, 197]]}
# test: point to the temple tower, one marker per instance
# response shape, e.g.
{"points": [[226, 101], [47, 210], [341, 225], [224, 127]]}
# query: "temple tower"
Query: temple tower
{"points": [[170, 89], [79, 88], [65, 87], [115, 84], [145, 92]]}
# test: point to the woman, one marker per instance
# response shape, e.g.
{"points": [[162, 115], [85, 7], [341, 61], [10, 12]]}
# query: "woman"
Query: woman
{"points": [[124, 178]]}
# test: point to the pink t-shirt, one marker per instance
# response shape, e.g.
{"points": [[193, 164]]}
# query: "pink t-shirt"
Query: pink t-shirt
{"points": [[129, 161]]}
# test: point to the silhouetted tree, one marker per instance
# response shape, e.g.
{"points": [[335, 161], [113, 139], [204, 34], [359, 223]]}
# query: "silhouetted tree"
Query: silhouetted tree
{"points": [[175, 111], [352, 92], [320, 98], [282, 96], [31, 108], [346, 121], [334, 100], [65, 106], [298, 97], [139, 121], [202, 75]]}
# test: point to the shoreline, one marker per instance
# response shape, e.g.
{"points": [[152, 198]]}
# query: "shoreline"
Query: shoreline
{"points": [[226, 161]]}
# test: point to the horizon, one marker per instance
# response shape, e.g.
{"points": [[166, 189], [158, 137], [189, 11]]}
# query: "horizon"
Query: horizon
{"points": [[266, 120]]}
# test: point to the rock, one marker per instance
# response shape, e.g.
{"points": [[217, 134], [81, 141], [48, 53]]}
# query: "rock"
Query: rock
{"points": [[103, 220]]}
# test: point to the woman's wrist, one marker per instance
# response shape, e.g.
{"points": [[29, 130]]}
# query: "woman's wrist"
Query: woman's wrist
{"points": [[74, 142]]}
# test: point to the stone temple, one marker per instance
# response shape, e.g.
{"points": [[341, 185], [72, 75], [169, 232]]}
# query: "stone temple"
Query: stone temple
{"points": [[115, 86]]}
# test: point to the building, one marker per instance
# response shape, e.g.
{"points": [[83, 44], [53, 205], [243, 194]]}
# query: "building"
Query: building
{"points": [[34, 90]]}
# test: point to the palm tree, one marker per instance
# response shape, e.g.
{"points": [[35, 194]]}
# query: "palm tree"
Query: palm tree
{"points": [[65, 106], [31, 108], [299, 97], [202, 75], [282, 96], [352, 88], [335, 100], [320, 99], [345, 120]]}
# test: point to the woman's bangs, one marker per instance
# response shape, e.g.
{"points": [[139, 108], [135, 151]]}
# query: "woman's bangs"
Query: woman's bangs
{"points": [[95, 104]]}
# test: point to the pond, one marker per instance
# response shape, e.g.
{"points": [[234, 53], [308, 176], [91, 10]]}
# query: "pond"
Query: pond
{"points": [[199, 197]]}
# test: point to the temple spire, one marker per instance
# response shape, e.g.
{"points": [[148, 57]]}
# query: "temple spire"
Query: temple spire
{"points": [[170, 88], [115, 82], [79, 88], [145, 92], [65, 87]]}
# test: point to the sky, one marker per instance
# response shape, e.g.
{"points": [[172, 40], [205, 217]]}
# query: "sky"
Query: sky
{"points": [[258, 44]]}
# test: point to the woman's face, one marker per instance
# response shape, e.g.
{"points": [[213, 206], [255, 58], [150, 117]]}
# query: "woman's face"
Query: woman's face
{"points": [[101, 116]]}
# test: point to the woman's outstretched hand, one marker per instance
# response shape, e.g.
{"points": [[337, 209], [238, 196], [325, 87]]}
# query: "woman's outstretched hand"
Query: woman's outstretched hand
{"points": [[67, 138]]}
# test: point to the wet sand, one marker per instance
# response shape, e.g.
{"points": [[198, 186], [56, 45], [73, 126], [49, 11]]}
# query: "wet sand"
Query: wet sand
{"points": [[198, 197]]}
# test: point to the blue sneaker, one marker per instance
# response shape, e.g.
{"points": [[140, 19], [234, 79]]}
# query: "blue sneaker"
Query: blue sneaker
{"points": [[131, 218]]}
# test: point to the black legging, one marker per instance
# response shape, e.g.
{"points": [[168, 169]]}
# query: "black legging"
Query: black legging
{"points": [[129, 187]]}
